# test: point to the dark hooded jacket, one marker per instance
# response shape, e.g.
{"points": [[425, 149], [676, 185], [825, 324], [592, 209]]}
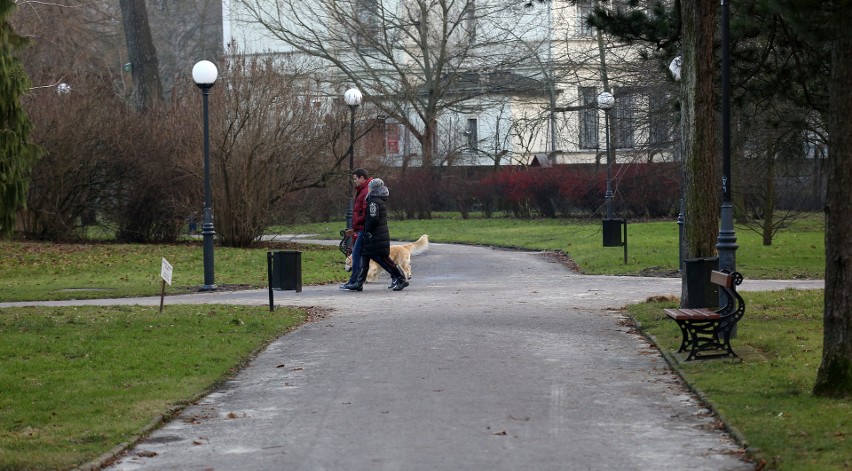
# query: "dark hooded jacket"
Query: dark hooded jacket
{"points": [[376, 235]]}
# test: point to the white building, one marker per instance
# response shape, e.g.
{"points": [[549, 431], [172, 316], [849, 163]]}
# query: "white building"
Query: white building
{"points": [[502, 81]]}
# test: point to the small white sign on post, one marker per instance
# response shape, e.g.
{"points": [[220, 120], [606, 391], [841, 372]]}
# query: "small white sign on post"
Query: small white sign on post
{"points": [[166, 275], [166, 272]]}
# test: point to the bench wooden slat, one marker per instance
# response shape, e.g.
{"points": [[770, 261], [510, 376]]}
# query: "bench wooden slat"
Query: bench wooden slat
{"points": [[692, 314], [721, 278]]}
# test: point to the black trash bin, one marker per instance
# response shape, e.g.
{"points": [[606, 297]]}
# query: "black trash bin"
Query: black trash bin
{"points": [[287, 270], [700, 291], [612, 232]]}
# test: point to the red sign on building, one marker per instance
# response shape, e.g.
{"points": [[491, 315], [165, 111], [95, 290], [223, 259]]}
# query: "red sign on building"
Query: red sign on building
{"points": [[392, 133]]}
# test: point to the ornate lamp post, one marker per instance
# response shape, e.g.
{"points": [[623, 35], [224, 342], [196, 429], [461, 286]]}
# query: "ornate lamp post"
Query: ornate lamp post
{"points": [[352, 97], [605, 102], [726, 244], [204, 73], [674, 68]]}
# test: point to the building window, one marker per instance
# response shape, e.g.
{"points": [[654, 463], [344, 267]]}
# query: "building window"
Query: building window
{"points": [[472, 134], [625, 123], [588, 119], [367, 12], [660, 125], [584, 9]]}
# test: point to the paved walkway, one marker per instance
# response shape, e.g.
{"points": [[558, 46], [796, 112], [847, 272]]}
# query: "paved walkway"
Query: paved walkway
{"points": [[491, 359]]}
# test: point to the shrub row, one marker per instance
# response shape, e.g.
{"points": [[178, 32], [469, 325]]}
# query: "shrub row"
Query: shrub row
{"points": [[639, 190]]}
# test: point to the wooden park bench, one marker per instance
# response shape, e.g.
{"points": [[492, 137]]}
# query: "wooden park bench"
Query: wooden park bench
{"points": [[707, 332]]}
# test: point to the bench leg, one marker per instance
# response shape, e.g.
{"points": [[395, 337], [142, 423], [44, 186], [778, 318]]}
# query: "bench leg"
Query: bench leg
{"points": [[723, 336], [708, 337], [684, 332]]}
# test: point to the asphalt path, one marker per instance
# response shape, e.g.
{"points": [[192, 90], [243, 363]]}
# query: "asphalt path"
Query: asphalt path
{"points": [[491, 359]]}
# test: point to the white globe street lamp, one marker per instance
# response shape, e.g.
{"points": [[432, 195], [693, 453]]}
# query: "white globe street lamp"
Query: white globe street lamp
{"points": [[353, 98], [674, 67], [204, 73]]}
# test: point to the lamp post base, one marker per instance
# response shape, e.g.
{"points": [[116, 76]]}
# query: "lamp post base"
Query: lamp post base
{"points": [[207, 233], [726, 244]]}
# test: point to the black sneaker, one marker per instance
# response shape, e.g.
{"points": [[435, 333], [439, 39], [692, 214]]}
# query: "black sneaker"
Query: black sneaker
{"points": [[352, 287], [400, 285]]}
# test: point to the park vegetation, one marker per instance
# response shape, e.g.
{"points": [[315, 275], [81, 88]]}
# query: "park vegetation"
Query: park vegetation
{"points": [[124, 160], [766, 399]]}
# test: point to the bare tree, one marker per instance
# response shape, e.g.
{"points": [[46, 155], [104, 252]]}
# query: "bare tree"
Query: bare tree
{"points": [[407, 57], [128, 173], [772, 166], [125, 171], [143, 56], [184, 32], [272, 136]]}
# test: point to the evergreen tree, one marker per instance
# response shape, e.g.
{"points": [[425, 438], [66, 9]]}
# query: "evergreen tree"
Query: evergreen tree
{"points": [[17, 154]]}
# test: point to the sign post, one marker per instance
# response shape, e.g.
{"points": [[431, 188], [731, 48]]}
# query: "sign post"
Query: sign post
{"points": [[166, 275]]}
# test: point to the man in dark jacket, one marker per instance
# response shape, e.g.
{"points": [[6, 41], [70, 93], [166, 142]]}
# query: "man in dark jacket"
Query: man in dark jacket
{"points": [[359, 214], [376, 240]]}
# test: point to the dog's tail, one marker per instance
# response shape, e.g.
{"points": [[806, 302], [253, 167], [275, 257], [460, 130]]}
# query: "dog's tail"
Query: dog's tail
{"points": [[420, 245]]}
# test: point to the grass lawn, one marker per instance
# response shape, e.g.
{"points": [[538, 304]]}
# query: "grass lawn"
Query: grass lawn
{"points": [[77, 381], [767, 397], [652, 247], [41, 271], [72, 388]]}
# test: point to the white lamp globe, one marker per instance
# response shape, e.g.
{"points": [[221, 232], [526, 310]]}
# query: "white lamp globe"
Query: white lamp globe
{"points": [[605, 100], [352, 97], [205, 73], [674, 68]]}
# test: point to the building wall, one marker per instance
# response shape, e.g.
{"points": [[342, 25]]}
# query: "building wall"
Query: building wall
{"points": [[561, 53]]}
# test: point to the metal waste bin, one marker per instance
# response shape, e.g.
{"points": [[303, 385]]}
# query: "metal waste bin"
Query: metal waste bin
{"points": [[700, 291], [287, 270], [612, 232]]}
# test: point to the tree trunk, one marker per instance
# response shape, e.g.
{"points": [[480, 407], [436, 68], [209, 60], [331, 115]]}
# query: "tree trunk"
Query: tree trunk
{"points": [[698, 124], [148, 91], [834, 378], [769, 201]]}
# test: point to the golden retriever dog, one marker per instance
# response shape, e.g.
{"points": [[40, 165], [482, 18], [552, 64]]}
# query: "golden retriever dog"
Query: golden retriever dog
{"points": [[400, 254]]}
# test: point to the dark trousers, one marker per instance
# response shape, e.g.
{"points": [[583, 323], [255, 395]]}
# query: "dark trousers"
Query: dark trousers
{"points": [[356, 257], [384, 261]]}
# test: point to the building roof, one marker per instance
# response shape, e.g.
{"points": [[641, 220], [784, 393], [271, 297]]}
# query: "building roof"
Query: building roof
{"points": [[495, 82], [540, 160]]}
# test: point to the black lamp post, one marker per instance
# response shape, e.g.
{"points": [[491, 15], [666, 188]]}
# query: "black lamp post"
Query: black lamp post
{"points": [[606, 102], [726, 244], [204, 74], [674, 68], [352, 97]]}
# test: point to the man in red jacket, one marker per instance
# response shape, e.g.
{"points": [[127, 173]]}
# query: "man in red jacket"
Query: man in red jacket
{"points": [[359, 215]]}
